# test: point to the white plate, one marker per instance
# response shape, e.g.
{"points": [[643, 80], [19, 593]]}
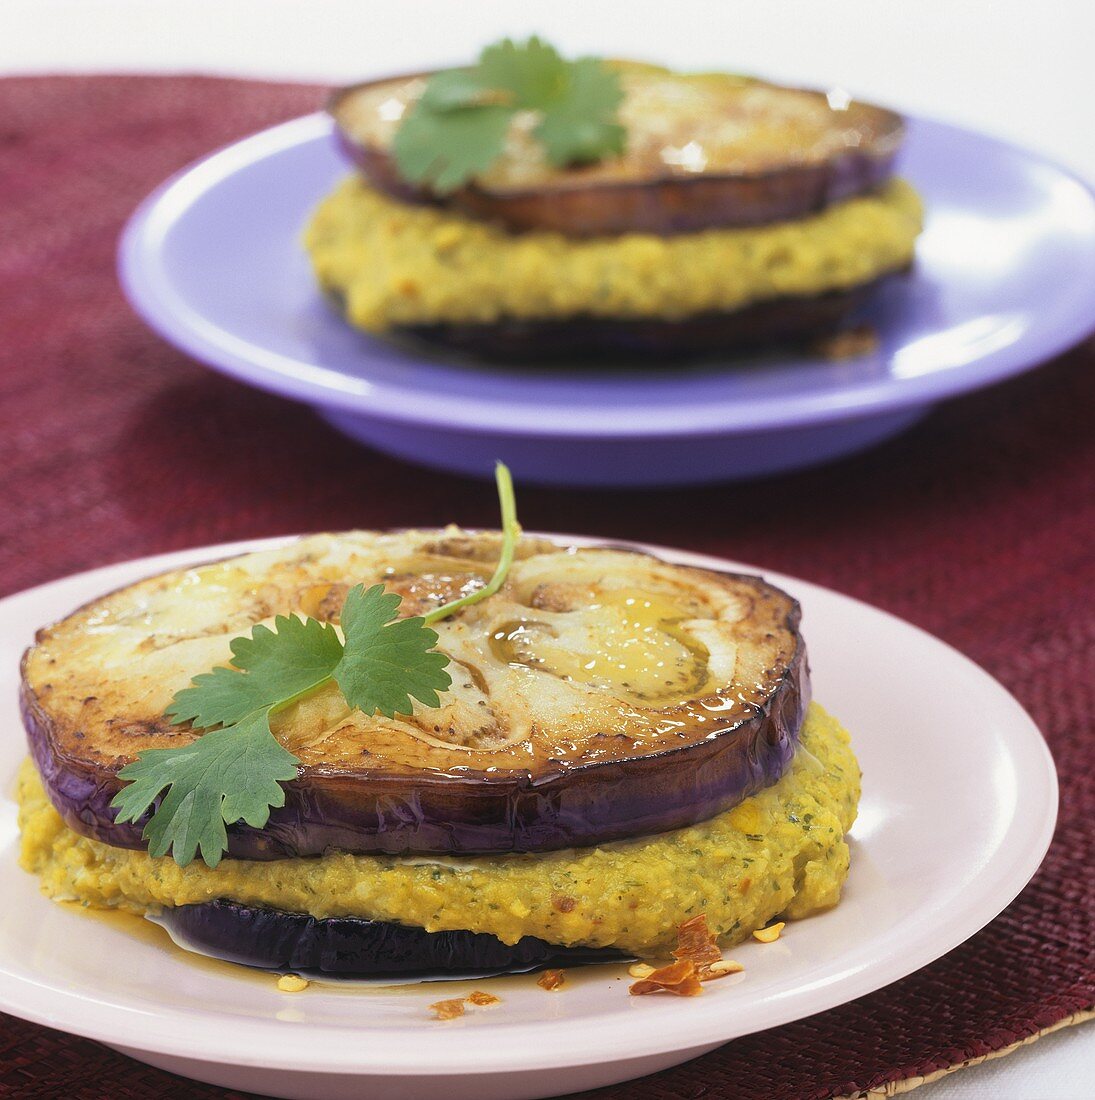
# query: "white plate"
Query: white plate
{"points": [[959, 804]]}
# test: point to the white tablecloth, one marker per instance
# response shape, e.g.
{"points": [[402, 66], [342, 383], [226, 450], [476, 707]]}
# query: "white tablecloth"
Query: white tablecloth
{"points": [[1024, 71]]}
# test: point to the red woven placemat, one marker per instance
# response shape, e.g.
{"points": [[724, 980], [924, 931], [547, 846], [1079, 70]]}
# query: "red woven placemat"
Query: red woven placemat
{"points": [[978, 525]]}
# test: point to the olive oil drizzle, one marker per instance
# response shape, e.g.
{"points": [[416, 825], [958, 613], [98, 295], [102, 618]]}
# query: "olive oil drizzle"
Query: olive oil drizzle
{"points": [[639, 650]]}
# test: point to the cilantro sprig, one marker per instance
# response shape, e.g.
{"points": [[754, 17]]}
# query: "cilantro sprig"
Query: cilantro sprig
{"points": [[457, 128], [235, 770]]}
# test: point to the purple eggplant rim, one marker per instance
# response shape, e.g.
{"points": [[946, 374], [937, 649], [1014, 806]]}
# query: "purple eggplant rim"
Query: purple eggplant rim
{"points": [[151, 293]]}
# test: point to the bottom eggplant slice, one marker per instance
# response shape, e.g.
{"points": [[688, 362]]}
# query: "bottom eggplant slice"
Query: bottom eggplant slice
{"points": [[349, 946], [776, 323]]}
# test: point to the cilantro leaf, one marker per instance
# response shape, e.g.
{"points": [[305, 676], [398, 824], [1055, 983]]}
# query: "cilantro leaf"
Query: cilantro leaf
{"points": [[445, 149], [387, 662], [271, 666], [454, 88], [532, 73], [227, 775], [457, 129], [580, 124]]}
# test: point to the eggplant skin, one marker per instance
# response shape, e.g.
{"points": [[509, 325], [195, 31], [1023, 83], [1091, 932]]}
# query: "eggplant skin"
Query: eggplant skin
{"points": [[352, 947]]}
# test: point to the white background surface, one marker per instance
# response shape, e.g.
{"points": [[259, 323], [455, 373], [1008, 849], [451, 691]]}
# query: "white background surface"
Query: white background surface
{"points": [[1016, 68], [1020, 70]]}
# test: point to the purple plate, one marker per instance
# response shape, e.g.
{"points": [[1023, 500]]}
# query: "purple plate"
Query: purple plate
{"points": [[1004, 279]]}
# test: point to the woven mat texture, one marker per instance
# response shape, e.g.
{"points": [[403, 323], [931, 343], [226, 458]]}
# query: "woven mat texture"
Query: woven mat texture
{"points": [[977, 525]]}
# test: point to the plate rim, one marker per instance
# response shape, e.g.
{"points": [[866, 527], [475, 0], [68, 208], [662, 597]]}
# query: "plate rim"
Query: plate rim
{"points": [[341, 1049], [149, 291]]}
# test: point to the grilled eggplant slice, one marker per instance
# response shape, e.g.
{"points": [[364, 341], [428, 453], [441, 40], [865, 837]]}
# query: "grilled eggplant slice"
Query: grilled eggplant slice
{"points": [[348, 946], [602, 694], [704, 150]]}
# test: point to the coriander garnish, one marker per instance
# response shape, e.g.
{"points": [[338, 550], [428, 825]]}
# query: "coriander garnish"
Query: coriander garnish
{"points": [[457, 129], [235, 770]]}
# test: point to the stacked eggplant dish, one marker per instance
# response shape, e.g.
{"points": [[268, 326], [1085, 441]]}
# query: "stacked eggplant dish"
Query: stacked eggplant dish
{"points": [[531, 206], [435, 752]]}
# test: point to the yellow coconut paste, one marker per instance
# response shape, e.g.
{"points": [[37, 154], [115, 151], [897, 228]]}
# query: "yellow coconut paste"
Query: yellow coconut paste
{"points": [[393, 264], [781, 852]]}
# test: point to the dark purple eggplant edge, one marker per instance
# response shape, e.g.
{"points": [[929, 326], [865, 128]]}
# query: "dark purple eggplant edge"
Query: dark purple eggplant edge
{"points": [[583, 339], [273, 939], [324, 813]]}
